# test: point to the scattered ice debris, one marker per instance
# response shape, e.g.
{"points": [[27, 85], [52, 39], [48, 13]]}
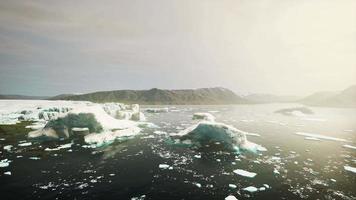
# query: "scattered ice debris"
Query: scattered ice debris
{"points": [[349, 146], [4, 163], [204, 116], [350, 169], [231, 137], [230, 197], [7, 173], [245, 173], [34, 158], [64, 146], [8, 147], [26, 144], [163, 166], [232, 186], [320, 136], [250, 189]]}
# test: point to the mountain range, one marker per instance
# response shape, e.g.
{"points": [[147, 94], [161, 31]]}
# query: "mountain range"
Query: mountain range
{"points": [[204, 96]]}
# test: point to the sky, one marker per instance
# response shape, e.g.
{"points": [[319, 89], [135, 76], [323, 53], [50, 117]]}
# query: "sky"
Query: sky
{"points": [[262, 46]]}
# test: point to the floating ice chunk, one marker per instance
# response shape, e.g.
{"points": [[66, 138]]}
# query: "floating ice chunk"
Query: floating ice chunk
{"points": [[320, 136], [349, 146], [7, 173], [160, 132], [163, 166], [333, 180], [8, 147], [231, 137], [80, 129], [266, 186], [82, 186], [275, 171], [198, 185], [350, 169], [251, 189], [4, 163], [312, 138], [26, 144], [100, 139], [142, 197], [197, 156], [230, 197], [156, 110], [34, 158], [245, 173], [252, 134], [233, 186], [204, 116], [64, 146]]}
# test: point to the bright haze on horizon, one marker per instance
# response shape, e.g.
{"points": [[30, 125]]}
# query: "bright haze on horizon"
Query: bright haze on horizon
{"points": [[279, 47]]}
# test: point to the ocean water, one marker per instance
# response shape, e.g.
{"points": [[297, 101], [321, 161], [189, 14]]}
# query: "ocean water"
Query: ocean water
{"points": [[150, 167]]}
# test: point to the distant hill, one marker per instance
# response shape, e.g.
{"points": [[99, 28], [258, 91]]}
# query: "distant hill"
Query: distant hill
{"points": [[344, 98], [155, 96], [270, 98], [21, 97]]}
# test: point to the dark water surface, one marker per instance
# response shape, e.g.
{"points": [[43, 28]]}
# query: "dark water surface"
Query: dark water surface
{"points": [[293, 168]]}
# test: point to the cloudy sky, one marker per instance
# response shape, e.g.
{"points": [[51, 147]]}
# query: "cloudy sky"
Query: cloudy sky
{"points": [[280, 46]]}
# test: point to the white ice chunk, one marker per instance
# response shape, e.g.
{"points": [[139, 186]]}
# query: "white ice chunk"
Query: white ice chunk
{"points": [[64, 146], [230, 197], [351, 169], [251, 189], [245, 173], [233, 186], [349, 146], [8, 147], [7, 173], [320, 136], [163, 166], [4, 163], [26, 144]]}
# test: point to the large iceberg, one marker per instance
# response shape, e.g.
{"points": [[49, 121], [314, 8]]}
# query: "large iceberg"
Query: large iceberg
{"points": [[207, 132]]}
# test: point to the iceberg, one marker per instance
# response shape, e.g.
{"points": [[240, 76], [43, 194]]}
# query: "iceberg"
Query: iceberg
{"points": [[312, 135], [245, 173], [232, 138], [107, 137], [203, 116]]}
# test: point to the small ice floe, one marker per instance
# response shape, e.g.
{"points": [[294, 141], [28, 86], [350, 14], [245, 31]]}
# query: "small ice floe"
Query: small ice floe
{"points": [[266, 186], [4, 163], [250, 189], [203, 116], [349, 146], [8, 147], [333, 180], [232, 186], [198, 185], [318, 136], [245, 173], [64, 146], [163, 166], [230, 197], [34, 158], [25, 144], [80, 129], [350, 169], [7, 173]]}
